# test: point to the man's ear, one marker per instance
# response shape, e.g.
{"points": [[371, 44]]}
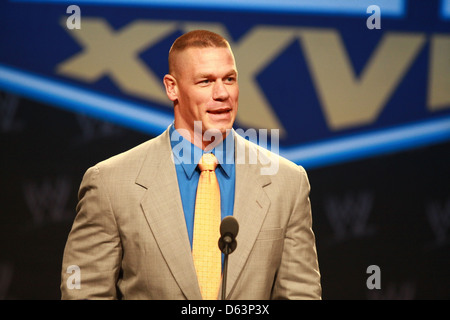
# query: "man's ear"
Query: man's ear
{"points": [[171, 87]]}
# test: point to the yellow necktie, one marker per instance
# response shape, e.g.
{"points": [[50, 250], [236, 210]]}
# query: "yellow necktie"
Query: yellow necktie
{"points": [[205, 250]]}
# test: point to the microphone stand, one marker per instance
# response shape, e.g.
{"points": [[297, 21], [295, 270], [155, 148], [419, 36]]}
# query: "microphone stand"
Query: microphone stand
{"points": [[229, 228], [226, 251]]}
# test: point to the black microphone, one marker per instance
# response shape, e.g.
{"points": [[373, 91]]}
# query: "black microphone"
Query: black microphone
{"points": [[229, 229]]}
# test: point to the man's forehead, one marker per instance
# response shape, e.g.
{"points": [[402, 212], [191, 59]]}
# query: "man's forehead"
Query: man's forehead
{"points": [[208, 53], [206, 60]]}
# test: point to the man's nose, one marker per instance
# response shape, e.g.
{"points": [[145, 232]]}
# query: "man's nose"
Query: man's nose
{"points": [[220, 91]]}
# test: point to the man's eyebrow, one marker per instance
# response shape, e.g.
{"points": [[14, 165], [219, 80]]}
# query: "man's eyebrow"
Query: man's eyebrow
{"points": [[232, 73], [203, 75], [208, 75]]}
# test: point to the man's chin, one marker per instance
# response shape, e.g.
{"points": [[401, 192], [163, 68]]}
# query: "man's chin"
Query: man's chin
{"points": [[216, 134], [217, 130]]}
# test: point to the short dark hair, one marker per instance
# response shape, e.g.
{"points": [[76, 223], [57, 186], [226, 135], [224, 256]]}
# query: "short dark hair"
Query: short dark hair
{"points": [[196, 39]]}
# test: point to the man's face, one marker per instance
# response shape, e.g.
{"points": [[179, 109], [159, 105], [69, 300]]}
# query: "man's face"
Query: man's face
{"points": [[205, 89]]}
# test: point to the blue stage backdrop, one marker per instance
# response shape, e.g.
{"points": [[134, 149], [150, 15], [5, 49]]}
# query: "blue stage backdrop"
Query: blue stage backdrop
{"points": [[357, 91]]}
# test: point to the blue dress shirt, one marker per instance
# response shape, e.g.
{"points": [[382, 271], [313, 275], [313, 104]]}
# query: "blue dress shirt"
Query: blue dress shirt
{"points": [[186, 157]]}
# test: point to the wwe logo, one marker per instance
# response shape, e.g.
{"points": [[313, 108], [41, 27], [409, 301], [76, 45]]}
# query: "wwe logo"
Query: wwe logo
{"points": [[348, 215], [92, 128], [8, 108], [6, 275], [439, 219], [47, 202], [394, 291]]}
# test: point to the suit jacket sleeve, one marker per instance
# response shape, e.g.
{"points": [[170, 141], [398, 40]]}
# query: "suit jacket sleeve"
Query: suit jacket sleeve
{"points": [[93, 244], [298, 276]]}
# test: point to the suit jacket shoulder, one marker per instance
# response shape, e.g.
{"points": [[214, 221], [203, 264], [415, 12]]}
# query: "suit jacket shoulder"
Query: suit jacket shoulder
{"points": [[271, 163], [135, 156]]}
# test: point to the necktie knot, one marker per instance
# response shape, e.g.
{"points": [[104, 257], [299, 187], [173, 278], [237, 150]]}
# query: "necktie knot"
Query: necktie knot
{"points": [[207, 162]]}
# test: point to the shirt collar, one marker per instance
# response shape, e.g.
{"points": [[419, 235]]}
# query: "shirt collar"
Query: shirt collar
{"points": [[188, 155]]}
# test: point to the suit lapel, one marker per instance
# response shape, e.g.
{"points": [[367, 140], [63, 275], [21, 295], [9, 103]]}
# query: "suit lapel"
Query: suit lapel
{"points": [[164, 213], [250, 208]]}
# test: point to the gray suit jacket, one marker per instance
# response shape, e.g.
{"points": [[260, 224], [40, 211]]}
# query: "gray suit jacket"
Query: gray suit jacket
{"points": [[129, 238]]}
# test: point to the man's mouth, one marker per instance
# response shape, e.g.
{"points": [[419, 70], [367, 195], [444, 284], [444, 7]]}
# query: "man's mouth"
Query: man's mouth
{"points": [[219, 111]]}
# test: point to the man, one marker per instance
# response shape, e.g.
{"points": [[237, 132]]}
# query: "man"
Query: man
{"points": [[133, 234]]}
